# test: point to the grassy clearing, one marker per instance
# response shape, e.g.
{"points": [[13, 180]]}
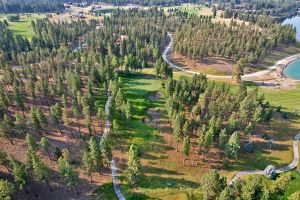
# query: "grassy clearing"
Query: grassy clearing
{"points": [[23, 27], [191, 9]]}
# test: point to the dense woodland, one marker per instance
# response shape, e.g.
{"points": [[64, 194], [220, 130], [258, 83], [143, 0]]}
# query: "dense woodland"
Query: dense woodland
{"points": [[29, 6], [200, 37]]}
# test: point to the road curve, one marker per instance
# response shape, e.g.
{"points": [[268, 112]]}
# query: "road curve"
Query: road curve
{"points": [[289, 167], [246, 77], [113, 165]]}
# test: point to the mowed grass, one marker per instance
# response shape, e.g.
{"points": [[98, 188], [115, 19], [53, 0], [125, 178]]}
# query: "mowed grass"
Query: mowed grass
{"points": [[23, 27], [137, 88], [288, 99]]}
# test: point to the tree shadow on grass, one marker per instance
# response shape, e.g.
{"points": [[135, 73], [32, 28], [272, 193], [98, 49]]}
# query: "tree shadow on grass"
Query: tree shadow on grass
{"points": [[159, 171], [158, 182]]}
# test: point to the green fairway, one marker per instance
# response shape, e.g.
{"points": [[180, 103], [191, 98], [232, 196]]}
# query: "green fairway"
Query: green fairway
{"points": [[23, 27], [288, 99]]}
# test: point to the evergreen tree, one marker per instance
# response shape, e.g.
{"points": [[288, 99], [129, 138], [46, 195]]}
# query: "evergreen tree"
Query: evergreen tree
{"points": [[6, 189], [211, 185], [68, 173], [20, 174], [106, 150], [31, 142], [87, 163], [41, 171], [186, 147], [45, 144], [20, 123], [233, 145], [95, 153], [134, 166]]}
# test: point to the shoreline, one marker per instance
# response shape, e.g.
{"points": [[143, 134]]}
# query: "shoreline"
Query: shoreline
{"points": [[297, 57]]}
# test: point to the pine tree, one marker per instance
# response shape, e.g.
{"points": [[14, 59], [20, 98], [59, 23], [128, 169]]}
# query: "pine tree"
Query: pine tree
{"points": [[95, 153], [35, 119], [6, 190], [5, 131], [42, 118], [20, 123], [4, 161], [87, 163], [115, 126], [20, 174], [134, 166], [211, 185], [77, 116], [106, 150], [186, 148], [30, 141], [41, 171], [223, 139], [233, 145], [68, 173], [46, 145], [101, 116], [225, 195], [56, 114]]}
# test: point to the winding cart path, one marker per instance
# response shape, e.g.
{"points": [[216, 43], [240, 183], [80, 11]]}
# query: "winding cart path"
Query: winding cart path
{"points": [[113, 165], [289, 167]]}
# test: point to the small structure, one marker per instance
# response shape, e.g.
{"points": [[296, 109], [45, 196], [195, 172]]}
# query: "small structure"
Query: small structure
{"points": [[269, 172]]}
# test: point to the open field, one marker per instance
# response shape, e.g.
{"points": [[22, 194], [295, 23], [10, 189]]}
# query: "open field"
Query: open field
{"points": [[23, 27]]}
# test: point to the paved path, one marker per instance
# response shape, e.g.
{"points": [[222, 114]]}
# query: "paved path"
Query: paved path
{"points": [[113, 165], [289, 167], [250, 76]]}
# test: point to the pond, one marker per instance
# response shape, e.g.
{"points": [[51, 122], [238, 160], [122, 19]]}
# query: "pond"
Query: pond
{"points": [[295, 21], [293, 70]]}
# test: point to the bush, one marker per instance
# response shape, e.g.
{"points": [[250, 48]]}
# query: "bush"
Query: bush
{"points": [[13, 18], [266, 136], [249, 147]]}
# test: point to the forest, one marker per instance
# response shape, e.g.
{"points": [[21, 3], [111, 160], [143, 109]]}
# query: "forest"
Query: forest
{"points": [[31, 6], [200, 37]]}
